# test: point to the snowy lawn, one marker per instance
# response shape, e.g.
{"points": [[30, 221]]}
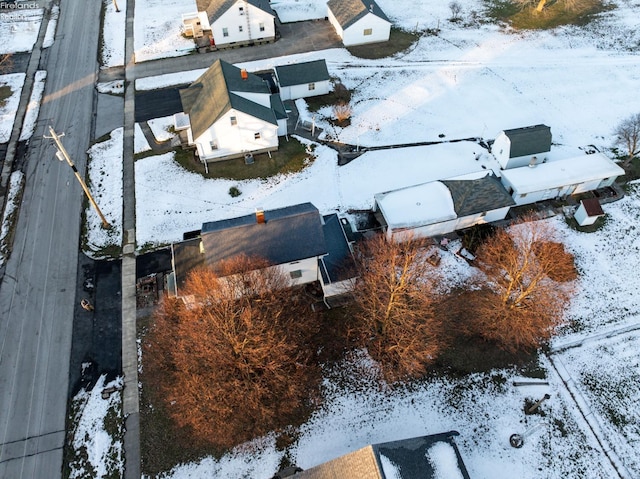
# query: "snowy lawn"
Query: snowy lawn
{"points": [[16, 183], [105, 177], [296, 10], [158, 29], [19, 29], [611, 387], [10, 89], [97, 433], [161, 128], [113, 33], [33, 108], [50, 34], [140, 143]]}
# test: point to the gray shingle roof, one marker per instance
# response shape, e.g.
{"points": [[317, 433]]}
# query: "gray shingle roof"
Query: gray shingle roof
{"points": [[529, 140], [289, 234], [301, 73], [410, 459], [347, 12], [215, 8], [338, 265], [210, 96], [475, 196], [278, 107]]}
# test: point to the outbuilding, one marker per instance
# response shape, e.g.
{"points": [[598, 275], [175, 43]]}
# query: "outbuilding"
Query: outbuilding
{"points": [[588, 212], [358, 21], [441, 207], [522, 146], [301, 80], [561, 178]]}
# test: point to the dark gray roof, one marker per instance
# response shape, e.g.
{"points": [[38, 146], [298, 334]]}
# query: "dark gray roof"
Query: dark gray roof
{"points": [[529, 140], [210, 97], [338, 264], [215, 8], [347, 12], [475, 196], [592, 206], [301, 73], [278, 107], [410, 459], [289, 234], [186, 256]]}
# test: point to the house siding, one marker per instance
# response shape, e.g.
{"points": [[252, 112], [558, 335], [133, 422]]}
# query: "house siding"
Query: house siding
{"points": [[235, 140], [445, 227], [232, 20], [354, 34], [294, 92]]}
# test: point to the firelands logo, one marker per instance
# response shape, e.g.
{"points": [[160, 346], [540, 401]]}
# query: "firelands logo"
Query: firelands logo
{"points": [[18, 6]]}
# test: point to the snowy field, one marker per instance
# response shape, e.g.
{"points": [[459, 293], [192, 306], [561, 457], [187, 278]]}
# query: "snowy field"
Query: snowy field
{"points": [[33, 108], [113, 34], [19, 29], [9, 106]]}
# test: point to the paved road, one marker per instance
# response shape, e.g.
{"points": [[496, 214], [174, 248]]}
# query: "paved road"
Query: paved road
{"points": [[37, 294], [157, 104]]}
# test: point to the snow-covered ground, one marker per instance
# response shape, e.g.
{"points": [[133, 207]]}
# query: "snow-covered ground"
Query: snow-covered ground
{"points": [[16, 182], [113, 33], [9, 106], [50, 34], [33, 108], [161, 128], [19, 29], [158, 29]]}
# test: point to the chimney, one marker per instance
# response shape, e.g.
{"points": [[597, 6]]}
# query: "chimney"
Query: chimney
{"points": [[533, 162], [260, 216], [243, 74]]}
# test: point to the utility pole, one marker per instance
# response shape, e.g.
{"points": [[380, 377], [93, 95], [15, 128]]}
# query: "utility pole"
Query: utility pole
{"points": [[62, 154]]}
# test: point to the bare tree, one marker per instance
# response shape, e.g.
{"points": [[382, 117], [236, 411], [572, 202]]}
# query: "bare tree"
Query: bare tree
{"points": [[628, 135], [234, 364], [342, 111], [526, 285], [6, 62], [394, 306], [456, 9]]}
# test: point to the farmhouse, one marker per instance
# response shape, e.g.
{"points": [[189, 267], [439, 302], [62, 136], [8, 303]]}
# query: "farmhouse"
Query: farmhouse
{"points": [[441, 207], [561, 178], [231, 113], [522, 146], [301, 80], [426, 457], [358, 21], [305, 245], [232, 22]]}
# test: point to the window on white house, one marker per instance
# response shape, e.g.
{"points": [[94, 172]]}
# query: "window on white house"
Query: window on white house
{"points": [[312, 86], [225, 32], [241, 10], [240, 28], [234, 120], [213, 145], [262, 27], [256, 135], [296, 274], [368, 31]]}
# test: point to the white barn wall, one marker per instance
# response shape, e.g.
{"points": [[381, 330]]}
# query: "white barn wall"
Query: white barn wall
{"points": [[294, 92], [335, 23], [308, 267], [354, 34]]}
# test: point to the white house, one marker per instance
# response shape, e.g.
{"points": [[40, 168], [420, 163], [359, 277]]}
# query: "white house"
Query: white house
{"points": [[522, 146], [358, 21], [306, 246], [588, 212], [301, 80], [557, 179], [441, 207], [231, 113], [238, 22]]}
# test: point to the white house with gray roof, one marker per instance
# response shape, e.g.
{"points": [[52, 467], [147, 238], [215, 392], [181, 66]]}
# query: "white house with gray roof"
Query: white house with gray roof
{"points": [[305, 245], [231, 113], [237, 22], [302, 80], [522, 146], [358, 21]]}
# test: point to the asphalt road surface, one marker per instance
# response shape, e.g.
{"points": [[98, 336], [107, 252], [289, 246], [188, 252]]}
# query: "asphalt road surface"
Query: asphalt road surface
{"points": [[37, 294], [157, 103]]}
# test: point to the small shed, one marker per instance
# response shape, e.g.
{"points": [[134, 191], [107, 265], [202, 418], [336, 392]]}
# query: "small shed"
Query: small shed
{"points": [[588, 212], [301, 80], [358, 21]]}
